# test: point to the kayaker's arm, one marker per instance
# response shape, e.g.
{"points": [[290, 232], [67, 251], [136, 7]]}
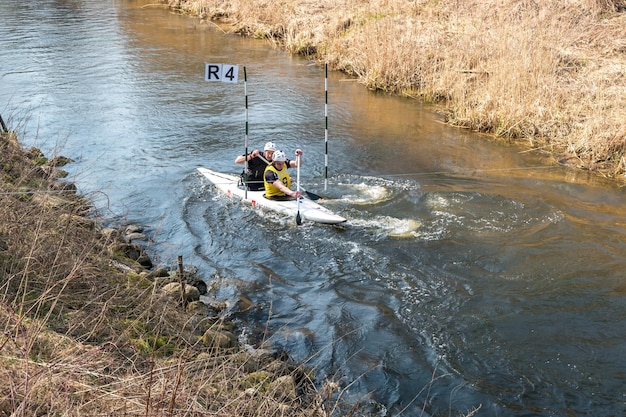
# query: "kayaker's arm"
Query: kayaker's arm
{"points": [[283, 188], [242, 158], [294, 163]]}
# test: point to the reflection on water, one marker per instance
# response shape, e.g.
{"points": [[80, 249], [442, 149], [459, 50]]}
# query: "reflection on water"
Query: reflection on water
{"points": [[470, 273]]}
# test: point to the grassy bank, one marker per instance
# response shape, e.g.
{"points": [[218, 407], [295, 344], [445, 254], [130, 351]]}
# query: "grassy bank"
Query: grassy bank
{"points": [[87, 329], [551, 74]]}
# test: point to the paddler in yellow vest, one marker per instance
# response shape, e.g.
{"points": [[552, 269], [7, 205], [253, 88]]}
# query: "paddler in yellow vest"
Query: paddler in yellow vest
{"points": [[276, 178]]}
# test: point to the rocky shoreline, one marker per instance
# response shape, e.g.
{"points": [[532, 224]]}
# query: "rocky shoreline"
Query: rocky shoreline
{"points": [[148, 319], [284, 380]]}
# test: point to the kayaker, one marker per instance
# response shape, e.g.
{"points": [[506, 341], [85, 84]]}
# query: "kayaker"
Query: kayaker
{"points": [[278, 180], [257, 163]]}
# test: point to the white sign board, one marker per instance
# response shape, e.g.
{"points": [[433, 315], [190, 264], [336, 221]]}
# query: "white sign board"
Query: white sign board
{"points": [[221, 72]]}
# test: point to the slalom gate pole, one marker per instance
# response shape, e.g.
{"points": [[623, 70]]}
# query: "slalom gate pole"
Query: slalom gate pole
{"points": [[326, 128], [245, 169]]}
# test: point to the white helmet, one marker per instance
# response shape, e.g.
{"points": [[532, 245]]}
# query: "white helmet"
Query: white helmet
{"points": [[269, 146], [279, 156]]}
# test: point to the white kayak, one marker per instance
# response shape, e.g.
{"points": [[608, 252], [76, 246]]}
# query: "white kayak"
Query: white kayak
{"points": [[309, 209]]}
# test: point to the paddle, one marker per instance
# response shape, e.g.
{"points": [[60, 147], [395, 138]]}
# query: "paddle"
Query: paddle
{"points": [[311, 195], [298, 218]]}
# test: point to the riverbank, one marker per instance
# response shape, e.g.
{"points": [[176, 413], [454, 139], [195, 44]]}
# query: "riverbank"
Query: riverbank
{"points": [[91, 327], [551, 75]]}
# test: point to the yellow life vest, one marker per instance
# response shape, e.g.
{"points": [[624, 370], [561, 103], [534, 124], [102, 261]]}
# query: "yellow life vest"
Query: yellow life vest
{"points": [[283, 175]]}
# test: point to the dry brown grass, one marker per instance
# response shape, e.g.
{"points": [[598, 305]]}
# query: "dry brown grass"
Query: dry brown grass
{"points": [[550, 73], [85, 331]]}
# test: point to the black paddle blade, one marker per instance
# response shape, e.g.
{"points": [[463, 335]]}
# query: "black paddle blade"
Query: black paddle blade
{"points": [[313, 196], [298, 219]]}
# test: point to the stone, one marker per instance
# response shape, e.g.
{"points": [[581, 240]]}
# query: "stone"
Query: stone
{"points": [[284, 388], [173, 290], [218, 339]]}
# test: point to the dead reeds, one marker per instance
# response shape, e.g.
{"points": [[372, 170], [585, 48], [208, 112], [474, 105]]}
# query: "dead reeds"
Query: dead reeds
{"points": [[87, 331], [548, 73]]}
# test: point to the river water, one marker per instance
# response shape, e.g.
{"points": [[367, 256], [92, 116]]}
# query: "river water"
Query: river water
{"points": [[470, 274]]}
